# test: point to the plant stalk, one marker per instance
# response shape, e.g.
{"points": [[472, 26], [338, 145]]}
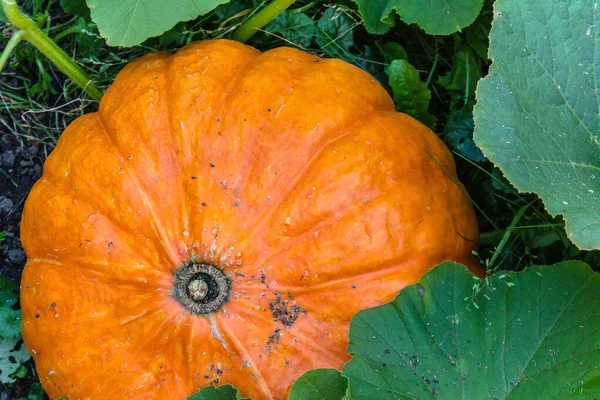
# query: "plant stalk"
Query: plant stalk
{"points": [[10, 46], [34, 35], [260, 19]]}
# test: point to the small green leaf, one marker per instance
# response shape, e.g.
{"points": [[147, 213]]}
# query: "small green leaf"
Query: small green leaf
{"points": [[319, 384], [139, 20], [11, 359], [297, 28], [36, 392], [9, 292], [3, 235], [392, 51], [477, 35], [411, 95], [10, 323], [454, 336], [462, 80], [176, 35], [500, 183], [76, 7], [459, 134], [89, 42], [224, 392], [541, 237], [538, 114], [334, 33], [226, 11], [20, 372], [436, 17]]}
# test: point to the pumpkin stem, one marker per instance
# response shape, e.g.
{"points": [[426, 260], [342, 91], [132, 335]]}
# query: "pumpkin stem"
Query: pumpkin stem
{"points": [[29, 31], [247, 29], [201, 288], [198, 289]]}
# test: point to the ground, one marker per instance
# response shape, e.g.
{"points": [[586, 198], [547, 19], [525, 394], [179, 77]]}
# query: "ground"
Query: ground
{"points": [[20, 167]]}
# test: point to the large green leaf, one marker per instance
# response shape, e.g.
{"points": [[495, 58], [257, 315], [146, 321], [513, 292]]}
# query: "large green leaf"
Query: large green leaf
{"points": [[538, 111], [521, 335], [130, 22], [437, 17]]}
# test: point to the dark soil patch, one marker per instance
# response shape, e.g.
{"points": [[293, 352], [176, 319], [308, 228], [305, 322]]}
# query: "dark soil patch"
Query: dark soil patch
{"points": [[20, 167]]}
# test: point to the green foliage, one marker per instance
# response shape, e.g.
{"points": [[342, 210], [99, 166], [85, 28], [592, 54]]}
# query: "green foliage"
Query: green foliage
{"points": [[411, 95], [428, 76], [319, 384], [10, 323], [224, 392], [454, 336], [35, 393], [76, 7], [477, 34], [12, 354], [537, 117], [89, 42], [459, 134], [3, 235], [392, 51], [139, 20], [436, 17], [9, 293], [462, 79], [334, 31], [232, 10], [295, 27]]}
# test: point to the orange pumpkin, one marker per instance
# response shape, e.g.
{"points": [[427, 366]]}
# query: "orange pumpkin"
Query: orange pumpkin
{"points": [[221, 218]]}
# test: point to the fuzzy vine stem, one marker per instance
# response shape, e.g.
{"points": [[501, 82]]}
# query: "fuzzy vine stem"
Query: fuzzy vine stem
{"points": [[29, 31], [247, 29]]}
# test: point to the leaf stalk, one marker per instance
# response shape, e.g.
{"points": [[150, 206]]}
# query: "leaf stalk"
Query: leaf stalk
{"points": [[29, 31], [248, 28]]}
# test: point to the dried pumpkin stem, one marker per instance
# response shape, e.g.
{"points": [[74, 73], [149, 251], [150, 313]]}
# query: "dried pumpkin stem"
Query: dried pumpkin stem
{"points": [[201, 288], [246, 30], [30, 32]]}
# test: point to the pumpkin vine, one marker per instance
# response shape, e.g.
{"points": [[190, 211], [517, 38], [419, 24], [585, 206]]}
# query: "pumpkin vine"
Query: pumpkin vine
{"points": [[29, 31], [246, 30]]}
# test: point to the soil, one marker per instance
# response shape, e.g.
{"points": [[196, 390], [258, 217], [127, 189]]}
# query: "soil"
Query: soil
{"points": [[20, 167]]}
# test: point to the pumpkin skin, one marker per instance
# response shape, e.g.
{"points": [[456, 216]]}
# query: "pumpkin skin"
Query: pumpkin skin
{"points": [[293, 175]]}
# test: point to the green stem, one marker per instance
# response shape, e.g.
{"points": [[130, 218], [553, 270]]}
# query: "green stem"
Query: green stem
{"points": [[10, 46], [260, 19], [66, 32], [34, 35]]}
